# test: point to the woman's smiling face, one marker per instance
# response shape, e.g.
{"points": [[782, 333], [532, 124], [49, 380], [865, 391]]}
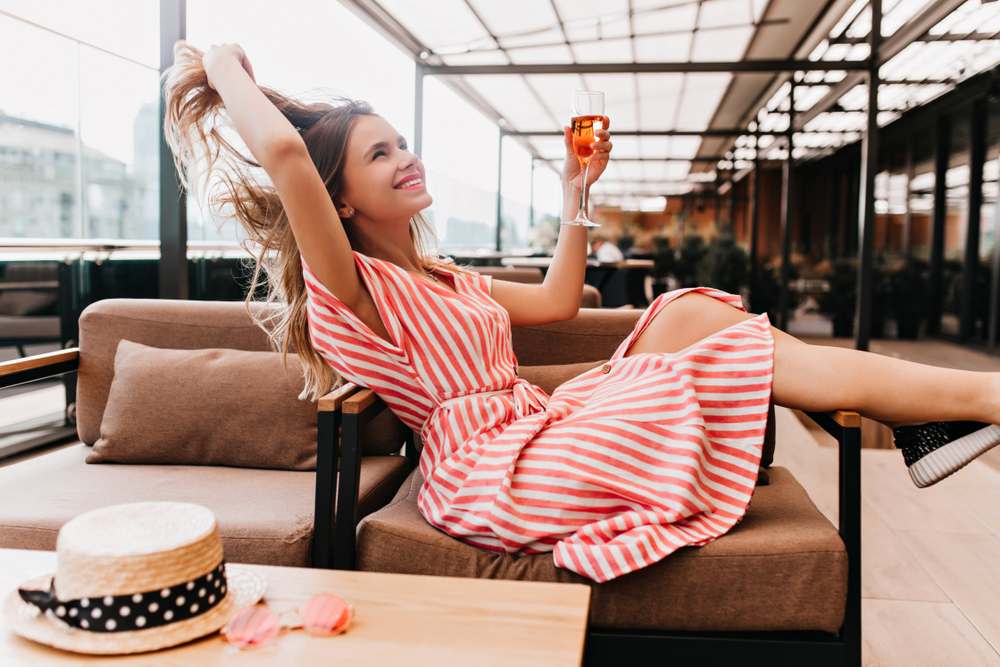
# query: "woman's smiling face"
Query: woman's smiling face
{"points": [[383, 180]]}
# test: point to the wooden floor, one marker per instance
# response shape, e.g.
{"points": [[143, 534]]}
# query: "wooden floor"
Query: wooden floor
{"points": [[930, 557]]}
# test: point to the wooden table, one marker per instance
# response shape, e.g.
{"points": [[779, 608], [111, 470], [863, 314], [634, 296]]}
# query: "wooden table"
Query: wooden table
{"points": [[400, 620]]}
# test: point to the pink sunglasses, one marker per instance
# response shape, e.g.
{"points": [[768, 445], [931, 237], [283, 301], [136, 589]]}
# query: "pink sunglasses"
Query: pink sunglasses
{"points": [[322, 615]]}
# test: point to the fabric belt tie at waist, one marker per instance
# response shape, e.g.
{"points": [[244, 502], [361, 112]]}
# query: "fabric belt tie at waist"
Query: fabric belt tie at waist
{"points": [[527, 399], [448, 402]]}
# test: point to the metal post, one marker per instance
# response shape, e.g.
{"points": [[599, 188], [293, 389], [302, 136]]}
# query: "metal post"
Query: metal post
{"points": [[866, 197], [327, 454], [836, 192], [786, 211], [531, 197], [993, 309], [942, 143], [908, 214], [173, 271], [499, 240], [731, 204], [754, 214], [977, 156], [418, 110]]}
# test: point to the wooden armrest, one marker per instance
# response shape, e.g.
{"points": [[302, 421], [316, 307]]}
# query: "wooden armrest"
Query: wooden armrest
{"points": [[335, 399], [39, 361], [846, 418], [357, 403]]}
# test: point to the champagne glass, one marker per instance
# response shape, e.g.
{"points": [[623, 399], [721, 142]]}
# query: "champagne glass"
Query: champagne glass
{"points": [[588, 117]]}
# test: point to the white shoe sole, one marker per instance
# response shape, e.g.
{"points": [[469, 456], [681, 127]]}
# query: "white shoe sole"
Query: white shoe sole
{"points": [[954, 456]]}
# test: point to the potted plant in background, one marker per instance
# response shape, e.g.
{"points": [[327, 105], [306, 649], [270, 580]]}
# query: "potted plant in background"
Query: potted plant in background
{"points": [[764, 291], [688, 257], [723, 265], [908, 294], [841, 301]]}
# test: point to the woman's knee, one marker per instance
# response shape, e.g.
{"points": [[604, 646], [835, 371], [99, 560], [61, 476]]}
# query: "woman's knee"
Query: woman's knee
{"points": [[686, 320]]}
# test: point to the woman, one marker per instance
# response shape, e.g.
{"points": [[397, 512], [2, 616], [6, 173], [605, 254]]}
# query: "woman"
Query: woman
{"points": [[621, 466]]}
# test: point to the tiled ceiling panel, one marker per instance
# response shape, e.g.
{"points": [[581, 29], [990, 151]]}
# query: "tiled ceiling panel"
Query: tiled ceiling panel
{"points": [[604, 51], [724, 44], [684, 147], [477, 58], [671, 19], [512, 17], [619, 98], [510, 95], [724, 13], [572, 11], [626, 147], [533, 38], [674, 48], [556, 90], [659, 98], [559, 54], [702, 93], [439, 23]]}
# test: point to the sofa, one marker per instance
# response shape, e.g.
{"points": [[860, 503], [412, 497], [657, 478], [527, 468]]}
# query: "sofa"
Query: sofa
{"points": [[266, 516], [782, 587]]}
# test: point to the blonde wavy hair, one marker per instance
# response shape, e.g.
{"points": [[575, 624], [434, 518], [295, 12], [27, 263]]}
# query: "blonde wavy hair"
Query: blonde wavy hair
{"points": [[238, 190]]}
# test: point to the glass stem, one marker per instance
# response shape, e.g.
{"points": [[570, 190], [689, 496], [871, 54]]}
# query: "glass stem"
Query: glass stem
{"points": [[582, 215]]}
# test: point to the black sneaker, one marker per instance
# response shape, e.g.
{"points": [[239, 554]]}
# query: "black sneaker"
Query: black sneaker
{"points": [[934, 451]]}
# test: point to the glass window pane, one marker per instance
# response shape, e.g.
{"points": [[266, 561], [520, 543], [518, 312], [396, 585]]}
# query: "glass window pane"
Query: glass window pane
{"points": [[922, 195], [956, 223], [39, 189], [128, 28], [120, 132]]}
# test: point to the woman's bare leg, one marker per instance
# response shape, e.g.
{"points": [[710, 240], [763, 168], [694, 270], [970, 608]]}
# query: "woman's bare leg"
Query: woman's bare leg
{"points": [[820, 378]]}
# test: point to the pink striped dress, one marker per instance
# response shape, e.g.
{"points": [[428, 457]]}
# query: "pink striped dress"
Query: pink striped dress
{"points": [[618, 468]]}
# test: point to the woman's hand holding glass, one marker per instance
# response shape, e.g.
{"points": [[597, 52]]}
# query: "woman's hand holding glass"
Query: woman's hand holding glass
{"points": [[573, 170], [587, 150]]}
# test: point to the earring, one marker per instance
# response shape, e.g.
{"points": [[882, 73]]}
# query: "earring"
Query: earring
{"points": [[350, 212]]}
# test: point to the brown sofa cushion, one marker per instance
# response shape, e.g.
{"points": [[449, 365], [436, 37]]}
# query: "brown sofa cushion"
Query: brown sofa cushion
{"points": [[207, 407], [784, 567], [595, 333], [265, 516]]}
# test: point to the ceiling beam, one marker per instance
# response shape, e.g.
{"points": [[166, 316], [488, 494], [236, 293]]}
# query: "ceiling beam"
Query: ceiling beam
{"points": [[711, 159], [947, 37], [932, 14], [633, 68], [715, 132]]}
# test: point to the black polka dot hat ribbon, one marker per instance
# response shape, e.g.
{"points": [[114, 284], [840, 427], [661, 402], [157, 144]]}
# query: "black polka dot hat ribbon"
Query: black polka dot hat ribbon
{"points": [[135, 611]]}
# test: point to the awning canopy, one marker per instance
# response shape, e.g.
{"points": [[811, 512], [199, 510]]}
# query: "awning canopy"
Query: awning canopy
{"points": [[685, 79]]}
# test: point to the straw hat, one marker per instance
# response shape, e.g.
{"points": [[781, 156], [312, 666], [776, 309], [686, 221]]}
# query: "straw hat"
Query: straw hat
{"points": [[133, 578]]}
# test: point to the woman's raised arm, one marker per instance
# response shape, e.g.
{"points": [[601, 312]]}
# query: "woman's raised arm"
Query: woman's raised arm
{"points": [[279, 149], [558, 298]]}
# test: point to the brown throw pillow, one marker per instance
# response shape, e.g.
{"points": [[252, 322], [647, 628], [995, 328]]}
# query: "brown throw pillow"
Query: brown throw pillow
{"points": [[207, 407]]}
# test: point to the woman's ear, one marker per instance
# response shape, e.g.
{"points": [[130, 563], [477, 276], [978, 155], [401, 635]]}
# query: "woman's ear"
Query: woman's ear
{"points": [[345, 210]]}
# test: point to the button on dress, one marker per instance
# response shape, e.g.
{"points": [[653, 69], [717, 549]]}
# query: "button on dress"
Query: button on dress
{"points": [[617, 469]]}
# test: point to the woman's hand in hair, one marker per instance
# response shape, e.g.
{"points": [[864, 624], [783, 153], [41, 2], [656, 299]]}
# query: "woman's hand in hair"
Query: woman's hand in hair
{"points": [[573, 171], [222, 53]]}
